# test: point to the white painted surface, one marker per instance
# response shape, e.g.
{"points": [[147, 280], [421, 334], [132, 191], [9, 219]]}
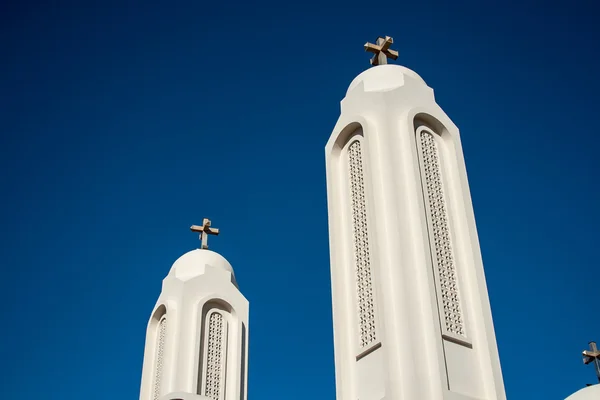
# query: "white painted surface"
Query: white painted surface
{"points": [[399, 258], [191, 264], [198, 358], [588, 393]]}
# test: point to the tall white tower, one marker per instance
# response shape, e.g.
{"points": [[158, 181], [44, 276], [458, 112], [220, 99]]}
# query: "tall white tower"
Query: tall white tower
{"points": [[197, 336], [411, 313]]}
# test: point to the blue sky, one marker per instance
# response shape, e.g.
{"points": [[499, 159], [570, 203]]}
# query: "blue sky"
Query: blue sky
{"points": [[124, 123]]}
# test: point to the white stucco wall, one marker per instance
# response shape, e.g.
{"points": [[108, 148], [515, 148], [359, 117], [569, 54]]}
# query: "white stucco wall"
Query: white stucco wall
{"points": [[419, 351], [588, 393]]}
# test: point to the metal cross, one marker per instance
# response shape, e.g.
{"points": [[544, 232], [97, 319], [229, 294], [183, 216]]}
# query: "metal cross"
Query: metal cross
{"points": [[592, 356], [381, 50], [204, 231]]}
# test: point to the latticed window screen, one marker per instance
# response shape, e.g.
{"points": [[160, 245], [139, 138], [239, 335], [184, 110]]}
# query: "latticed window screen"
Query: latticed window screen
{"points": [[440, 238], [216, 353], [160, 356], [362, 258]]}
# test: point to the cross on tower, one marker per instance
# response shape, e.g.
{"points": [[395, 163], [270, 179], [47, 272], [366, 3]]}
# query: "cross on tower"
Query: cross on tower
{"points": [[381, 50], [592, 356], [204, 231]]}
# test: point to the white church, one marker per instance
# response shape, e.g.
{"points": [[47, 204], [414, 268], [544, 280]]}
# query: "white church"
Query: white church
{"points": [[411, 314]]}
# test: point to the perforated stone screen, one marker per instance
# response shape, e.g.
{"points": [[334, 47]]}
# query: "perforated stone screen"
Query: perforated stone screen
{"points": [[442, 253], [215, 356], [160, 354], [362, 258]]}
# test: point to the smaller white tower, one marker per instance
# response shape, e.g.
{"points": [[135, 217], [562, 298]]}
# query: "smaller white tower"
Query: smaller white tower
{"points": [[197, 336]]}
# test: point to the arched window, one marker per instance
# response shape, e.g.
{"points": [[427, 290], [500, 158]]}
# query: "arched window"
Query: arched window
{"points": [[159, 355], [367, 326], [214, 354], [434, 179]]}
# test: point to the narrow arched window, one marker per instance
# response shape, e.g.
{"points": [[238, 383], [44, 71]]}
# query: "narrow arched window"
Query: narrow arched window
{"points": [[367, 334], [214, 359], [434, 178], [159, 356]]}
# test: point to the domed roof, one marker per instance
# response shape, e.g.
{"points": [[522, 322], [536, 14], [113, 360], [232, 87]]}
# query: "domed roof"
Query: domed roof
{"points": [[384, 77], [192, 263], [588, 393]]}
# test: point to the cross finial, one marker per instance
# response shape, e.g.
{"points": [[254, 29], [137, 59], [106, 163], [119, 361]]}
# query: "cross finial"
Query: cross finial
{"points": [[381, 50], [204, 231], [592, 356]]}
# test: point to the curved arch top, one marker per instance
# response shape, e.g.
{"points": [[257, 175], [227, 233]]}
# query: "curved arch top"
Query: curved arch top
{"points": [[160, 311], [350, 130]]}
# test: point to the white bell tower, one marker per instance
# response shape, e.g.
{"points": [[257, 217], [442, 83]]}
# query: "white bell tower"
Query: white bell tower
{"points": [[411, 313], [197, 336]]}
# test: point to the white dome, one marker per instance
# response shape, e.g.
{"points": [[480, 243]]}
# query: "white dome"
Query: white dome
{"points": [[588, 393], [384, 77], [192, 263]]}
